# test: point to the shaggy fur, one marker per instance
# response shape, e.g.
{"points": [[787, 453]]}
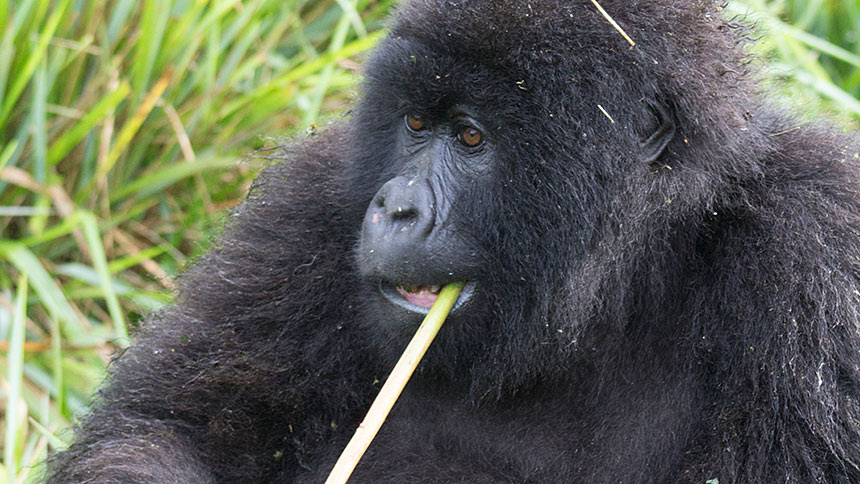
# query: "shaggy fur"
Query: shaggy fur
{"points": [[689, 319]]}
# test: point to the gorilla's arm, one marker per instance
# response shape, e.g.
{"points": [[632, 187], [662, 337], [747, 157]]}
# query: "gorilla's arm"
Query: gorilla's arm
{"points": [[131, 451], [780, 360], [253, 365]]}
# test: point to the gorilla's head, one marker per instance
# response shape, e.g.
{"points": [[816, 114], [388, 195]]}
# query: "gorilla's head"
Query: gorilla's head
{"points": [[538, 157]]}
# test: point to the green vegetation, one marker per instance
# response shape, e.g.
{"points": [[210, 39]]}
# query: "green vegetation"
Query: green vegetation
{"points": [[811, 50], [123, 126], [122, 129]]}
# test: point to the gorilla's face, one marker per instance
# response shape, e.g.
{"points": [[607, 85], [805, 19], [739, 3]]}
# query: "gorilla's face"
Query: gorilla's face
{"points": [[473, 171], [474, 162], [409, 246]]}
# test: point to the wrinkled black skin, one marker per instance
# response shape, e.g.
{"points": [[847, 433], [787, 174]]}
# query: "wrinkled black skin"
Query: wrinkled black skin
{"points": [[406, 237], [643, 313]]}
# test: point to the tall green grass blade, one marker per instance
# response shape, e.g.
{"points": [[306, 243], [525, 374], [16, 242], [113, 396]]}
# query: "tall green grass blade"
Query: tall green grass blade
{"points": [[182, 67], [92, 279], [23, 14], [236, 55], [7, 55], [220, 8], [338, 39], [64, 227], [155, 182], [177, 37], [235, 27], [49, 293], [820, 44], [38, 121], [14, 377], [300, 72], [146, 300], [129, 213], [24, 75], [211, 57], [117, 22], [7, 153], [91, 232], [257, 63], [131, 127], [73, 136], [57, 364], [154, 21], [351, 13], [132, 260], [39, 218], [55, 442], [829, 90], [4, 14], [44, 380]]}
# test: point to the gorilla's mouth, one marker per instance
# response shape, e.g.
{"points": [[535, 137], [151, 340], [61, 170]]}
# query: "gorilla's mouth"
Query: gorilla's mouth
{"points": [[423, 296], [418, 299]]}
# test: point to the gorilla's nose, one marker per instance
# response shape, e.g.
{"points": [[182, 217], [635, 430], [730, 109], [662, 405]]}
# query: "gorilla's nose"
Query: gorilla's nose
{"points": [[401, 213], [396, 225]]}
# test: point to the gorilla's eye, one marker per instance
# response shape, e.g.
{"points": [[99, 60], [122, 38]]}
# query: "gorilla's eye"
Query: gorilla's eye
{"points": [[470, 136], [415, 122]]}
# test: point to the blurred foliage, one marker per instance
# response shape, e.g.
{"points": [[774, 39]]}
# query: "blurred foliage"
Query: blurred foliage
{"points": [[121, 126], [811, 53]]}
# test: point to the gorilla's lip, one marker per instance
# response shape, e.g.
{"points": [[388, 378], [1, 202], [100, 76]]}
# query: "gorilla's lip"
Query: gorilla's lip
{"points": [[393, 294]]}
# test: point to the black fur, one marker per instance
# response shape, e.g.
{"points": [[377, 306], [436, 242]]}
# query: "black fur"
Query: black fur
{"points": [[679, 315]]}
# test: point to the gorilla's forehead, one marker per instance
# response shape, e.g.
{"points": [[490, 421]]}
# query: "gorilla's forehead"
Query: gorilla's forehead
{"points": [[509, 34], [524, 36], [413, 75]]}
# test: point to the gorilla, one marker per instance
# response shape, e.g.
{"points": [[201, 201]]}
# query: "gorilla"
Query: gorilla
{"points": [[663, 273]]}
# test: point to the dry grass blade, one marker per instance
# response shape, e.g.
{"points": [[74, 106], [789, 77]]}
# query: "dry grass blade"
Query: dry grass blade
{"points": [[614, 23], [394, 384]]}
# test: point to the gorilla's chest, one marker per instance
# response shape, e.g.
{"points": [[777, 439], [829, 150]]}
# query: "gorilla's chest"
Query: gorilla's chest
{"points": [[545, 436], [427, 440]]}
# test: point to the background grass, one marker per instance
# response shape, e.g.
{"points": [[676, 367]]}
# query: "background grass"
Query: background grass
{"points": [[122, 124]]}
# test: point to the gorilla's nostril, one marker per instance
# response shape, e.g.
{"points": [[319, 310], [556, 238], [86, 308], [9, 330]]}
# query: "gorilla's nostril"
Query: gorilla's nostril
{"points": [[402, 213]]}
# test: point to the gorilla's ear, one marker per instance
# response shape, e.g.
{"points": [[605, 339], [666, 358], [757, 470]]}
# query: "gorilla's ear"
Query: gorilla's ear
{"points": [[654, 145]]}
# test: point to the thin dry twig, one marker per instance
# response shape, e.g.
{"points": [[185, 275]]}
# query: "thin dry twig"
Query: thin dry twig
{"points": [[42, 346], [59, 198], [187, 151], [394, 385], [605, 113], [786, 131], [130, 246], [614, 23]]}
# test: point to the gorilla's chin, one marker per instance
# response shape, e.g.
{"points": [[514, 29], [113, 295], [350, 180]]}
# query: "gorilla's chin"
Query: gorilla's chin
{"points": [[419, 299]]}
